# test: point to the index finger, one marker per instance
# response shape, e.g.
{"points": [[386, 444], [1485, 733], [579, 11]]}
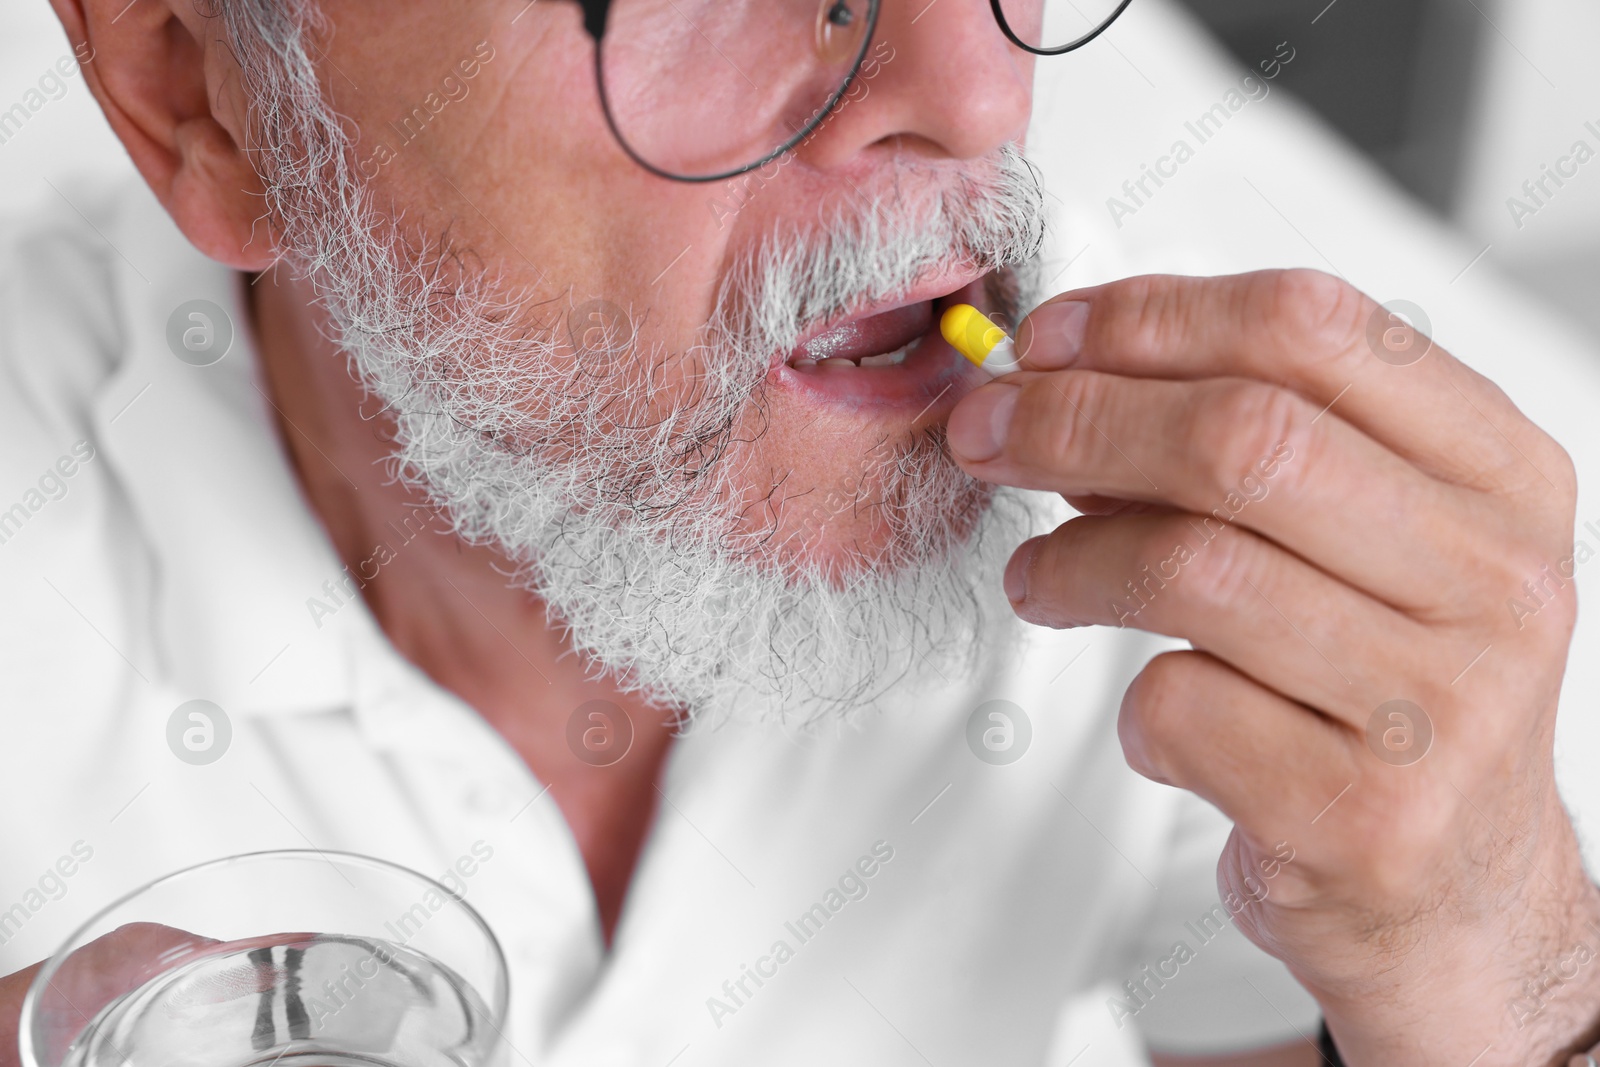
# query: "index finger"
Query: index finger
{"points": [[1316, 335]]}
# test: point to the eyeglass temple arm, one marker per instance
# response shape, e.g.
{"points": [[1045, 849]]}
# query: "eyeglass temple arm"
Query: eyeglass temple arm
{"points": [[595, 13]]}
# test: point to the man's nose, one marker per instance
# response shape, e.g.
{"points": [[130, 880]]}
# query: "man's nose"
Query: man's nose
{"points": [[940, 77]]}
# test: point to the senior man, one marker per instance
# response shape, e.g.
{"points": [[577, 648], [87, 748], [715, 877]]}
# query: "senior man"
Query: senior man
{"points": [[564, 464]]}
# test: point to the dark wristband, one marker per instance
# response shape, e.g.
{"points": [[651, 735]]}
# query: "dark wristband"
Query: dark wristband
{"points": [[1325, 1045]]}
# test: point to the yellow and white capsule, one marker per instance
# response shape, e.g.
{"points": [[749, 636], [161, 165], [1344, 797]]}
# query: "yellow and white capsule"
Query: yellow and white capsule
{"points": [[985, 345]]}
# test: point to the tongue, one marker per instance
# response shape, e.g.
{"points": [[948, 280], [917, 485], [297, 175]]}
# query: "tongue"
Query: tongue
{"points": [[870, 336]]}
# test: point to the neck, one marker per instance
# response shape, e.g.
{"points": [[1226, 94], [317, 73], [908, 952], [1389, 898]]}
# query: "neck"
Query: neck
{"points": [[444, 604]]}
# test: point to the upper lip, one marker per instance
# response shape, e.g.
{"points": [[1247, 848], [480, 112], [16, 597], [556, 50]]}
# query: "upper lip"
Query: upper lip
{"points": [[932, 289]]}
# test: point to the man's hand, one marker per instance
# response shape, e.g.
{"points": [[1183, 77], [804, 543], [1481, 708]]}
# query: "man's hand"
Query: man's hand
{"points": [[96, 974], [1372, 558]]}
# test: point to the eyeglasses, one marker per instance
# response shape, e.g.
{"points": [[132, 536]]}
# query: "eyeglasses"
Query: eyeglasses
{"points": [[704, 90]]}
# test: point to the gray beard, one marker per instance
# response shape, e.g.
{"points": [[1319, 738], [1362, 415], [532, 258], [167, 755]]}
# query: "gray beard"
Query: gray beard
{"points": [[614, 485]]}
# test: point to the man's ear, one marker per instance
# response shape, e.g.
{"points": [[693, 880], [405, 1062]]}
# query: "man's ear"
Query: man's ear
{"points": [[172, 91]]}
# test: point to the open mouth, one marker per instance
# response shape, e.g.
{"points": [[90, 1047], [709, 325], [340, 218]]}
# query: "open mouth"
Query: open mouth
{"points": [[881, 340], [887, 356]]}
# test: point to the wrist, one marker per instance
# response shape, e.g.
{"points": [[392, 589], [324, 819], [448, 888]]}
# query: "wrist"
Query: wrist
{"points": [[1521, 1013], [1514, 983]]}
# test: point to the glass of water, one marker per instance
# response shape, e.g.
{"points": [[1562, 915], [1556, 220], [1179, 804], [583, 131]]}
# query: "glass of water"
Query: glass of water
{"points": [[296, 958]]}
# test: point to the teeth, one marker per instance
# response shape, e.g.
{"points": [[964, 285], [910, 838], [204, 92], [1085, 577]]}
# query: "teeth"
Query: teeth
{"points": [[886, 359]]}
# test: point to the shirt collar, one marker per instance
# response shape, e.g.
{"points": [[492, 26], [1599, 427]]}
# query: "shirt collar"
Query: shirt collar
{"points": [[236, 550]]}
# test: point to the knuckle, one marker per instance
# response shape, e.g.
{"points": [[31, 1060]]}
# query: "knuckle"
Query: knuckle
{"points": [[1516, 579], [1238, 426], [1564, 613], [1533, 466], [1226, 572], [1562, 606], [1143, 315], [1535, 587], [1318, 315], [1510, 571], [1562, 472], [1054, 429]]}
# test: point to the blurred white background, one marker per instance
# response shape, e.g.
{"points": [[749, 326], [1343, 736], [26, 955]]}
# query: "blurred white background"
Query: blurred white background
{"points": [[1540, 86], [1462, 101], [50, 127]]}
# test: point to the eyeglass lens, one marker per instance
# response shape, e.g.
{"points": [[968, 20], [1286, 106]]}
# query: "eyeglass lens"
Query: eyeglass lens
{"points": [[703, 88], [699, 87], [1049, 26]]}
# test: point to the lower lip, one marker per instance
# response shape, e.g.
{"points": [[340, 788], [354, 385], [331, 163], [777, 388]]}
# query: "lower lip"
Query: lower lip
{"points": [[929, 382]]}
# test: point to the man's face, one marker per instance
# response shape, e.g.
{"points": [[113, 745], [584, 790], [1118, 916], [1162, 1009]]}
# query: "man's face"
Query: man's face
{"points": [[624, 357]]}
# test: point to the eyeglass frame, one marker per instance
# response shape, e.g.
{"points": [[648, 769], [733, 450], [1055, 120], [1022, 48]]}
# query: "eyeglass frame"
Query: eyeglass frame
{"points": [[597, 13]]}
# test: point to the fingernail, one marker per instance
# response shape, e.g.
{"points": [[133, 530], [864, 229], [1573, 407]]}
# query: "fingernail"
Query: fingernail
{"points": [[979, 423], [1052, 336], [1017, 571]]}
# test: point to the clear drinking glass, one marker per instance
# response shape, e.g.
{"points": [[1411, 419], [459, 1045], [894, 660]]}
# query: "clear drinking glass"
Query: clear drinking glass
{"points": [[294, 958]]}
